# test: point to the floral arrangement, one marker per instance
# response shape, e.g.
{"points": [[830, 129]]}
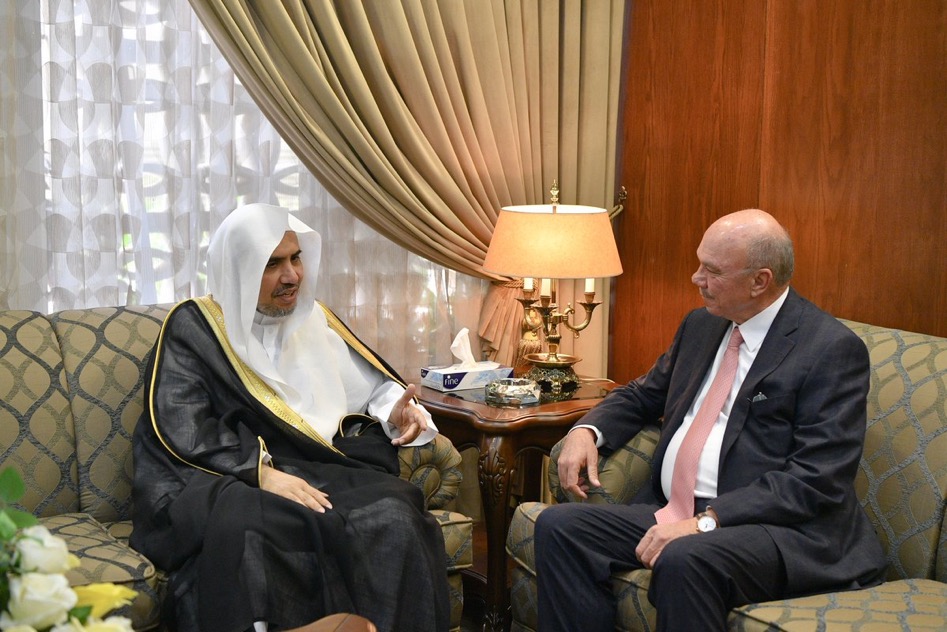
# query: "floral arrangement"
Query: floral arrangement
{"points": [[35, 595]]}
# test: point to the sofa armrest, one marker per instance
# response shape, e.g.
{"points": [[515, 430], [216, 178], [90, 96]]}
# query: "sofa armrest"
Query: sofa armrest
{"points": [[622, 473], [433, 468]]}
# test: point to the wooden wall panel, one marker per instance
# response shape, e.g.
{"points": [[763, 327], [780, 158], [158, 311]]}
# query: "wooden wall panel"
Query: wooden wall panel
{"points": [[830, 115], [690, 153], [854, 157]]}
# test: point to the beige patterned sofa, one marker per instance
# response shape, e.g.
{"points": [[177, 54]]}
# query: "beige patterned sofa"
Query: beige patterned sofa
{"points": [[70, 395], [902, 483]]}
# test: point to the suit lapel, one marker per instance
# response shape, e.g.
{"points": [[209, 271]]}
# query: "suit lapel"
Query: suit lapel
{"points": [[776, 346], [698, 363], [701, 362]]}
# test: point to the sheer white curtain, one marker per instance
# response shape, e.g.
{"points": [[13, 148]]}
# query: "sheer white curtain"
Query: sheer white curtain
{"points": [[125, 139]]}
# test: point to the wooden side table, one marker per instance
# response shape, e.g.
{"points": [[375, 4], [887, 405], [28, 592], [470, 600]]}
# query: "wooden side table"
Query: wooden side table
{"points": [[501, 435]]}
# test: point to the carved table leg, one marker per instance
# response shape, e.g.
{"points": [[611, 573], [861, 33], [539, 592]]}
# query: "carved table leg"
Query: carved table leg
{"points": [[495, 469]]}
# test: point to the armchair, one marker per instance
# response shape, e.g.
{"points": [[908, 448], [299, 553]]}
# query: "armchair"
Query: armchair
{"points": [[902, 483], [70, 395]]}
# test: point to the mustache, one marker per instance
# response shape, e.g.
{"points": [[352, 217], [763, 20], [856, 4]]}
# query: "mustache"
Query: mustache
{"points": [[286, 289]]}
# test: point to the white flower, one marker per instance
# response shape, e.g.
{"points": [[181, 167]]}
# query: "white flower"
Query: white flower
{"points": [[37, 600], [41, 552], [20, 628], [111, 624]]}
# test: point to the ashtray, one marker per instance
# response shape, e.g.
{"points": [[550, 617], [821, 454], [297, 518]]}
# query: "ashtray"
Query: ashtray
{"points": [[512, 392]]}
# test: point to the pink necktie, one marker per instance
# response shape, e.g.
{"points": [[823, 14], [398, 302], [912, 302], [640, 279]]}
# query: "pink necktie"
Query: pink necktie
{"points": [[684, 477]]}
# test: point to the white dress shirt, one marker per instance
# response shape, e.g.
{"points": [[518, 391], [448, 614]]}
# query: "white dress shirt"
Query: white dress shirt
{"points": [[754, 331]]}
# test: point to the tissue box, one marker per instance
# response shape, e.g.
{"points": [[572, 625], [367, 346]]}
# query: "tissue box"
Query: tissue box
{"points": [[455, 378]]}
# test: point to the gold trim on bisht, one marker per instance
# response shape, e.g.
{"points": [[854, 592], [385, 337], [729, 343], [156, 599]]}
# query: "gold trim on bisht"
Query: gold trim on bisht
{"points": [[259, 389], [336, 325], [151, 398], [259, 463]]}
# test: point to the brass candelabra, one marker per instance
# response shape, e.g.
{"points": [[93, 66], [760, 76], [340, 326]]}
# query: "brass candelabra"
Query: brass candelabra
{"points": [[553, 370]]}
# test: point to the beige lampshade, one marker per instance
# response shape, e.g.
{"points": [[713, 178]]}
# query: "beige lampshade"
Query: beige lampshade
{"points": [[574, 242]]}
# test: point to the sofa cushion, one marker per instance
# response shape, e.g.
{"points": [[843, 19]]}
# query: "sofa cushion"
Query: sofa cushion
{"points": [[37, 433], [105, 351], [910, 604], [902, 478], [105, 559]]}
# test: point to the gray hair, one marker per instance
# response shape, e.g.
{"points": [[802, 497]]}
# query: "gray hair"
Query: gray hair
{"points": [[772, 250]]}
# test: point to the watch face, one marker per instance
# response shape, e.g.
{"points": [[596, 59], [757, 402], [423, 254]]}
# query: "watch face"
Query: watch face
{"points": [[706, 523]]}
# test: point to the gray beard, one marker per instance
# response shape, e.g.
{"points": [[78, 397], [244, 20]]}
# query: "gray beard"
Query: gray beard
{"points": [[275, 312]]}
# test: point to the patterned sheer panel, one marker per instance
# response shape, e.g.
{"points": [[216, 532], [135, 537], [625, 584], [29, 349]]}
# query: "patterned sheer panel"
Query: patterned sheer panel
{"points": [[124, 141]]}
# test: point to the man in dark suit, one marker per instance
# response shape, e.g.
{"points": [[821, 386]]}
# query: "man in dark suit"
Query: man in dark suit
{"points": [[752, 496]]}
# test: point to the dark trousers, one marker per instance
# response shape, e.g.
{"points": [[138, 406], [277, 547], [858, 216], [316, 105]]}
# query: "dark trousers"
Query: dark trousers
{"points": [[695, 582]]}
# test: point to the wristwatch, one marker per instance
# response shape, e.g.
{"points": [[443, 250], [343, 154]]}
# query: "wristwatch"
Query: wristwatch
{"points": [[706, 522]]}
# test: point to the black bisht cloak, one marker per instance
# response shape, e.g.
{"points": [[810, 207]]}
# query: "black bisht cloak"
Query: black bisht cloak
{"points": [[236, 554]]}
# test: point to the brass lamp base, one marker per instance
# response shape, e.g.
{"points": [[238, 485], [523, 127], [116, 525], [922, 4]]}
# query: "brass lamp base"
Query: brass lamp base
{"points": [[554, 373]]}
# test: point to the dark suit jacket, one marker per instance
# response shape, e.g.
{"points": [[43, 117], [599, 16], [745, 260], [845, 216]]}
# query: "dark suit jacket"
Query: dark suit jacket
{"points": [[787, 462]]}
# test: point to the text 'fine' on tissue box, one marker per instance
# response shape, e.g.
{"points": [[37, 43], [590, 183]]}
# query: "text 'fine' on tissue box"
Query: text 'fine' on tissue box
{"points": [[466, 373]]}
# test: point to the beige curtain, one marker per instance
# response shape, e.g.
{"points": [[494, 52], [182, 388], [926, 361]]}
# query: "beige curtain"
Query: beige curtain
{"points": [[424, 117]]}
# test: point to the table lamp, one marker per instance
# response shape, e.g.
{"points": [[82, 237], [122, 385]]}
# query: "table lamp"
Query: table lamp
{"points": [[549, 242]]}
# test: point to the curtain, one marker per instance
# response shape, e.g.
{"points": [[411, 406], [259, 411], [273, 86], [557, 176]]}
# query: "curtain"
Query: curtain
{"points": [[124, 141], [425, 117]]}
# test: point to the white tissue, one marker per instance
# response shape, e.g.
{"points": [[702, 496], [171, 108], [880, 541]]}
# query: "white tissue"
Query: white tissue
{"points": [[467, 373], [461, 350]]}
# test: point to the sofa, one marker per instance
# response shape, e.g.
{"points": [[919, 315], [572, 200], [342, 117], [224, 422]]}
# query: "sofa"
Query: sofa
{"points": [[70, 396], [901, 482]]}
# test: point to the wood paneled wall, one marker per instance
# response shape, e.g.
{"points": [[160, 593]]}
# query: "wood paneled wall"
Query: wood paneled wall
{"points": [[832, 116]]}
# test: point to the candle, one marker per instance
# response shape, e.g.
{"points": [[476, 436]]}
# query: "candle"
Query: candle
{"points": [[528, 284], [589, 285], [545, 287]]}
